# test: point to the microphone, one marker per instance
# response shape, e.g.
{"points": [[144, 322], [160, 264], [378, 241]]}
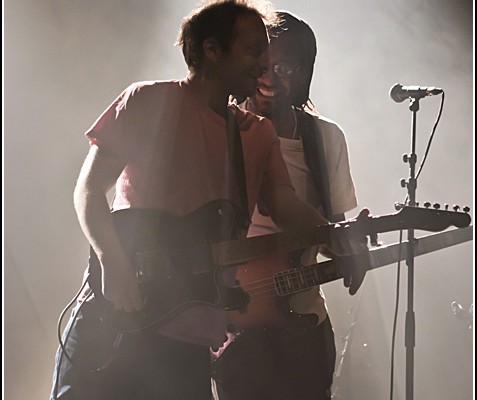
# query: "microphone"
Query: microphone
{"points": [[400, 93]]}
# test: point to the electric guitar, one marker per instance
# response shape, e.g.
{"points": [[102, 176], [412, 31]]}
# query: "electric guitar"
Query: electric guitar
{"points": [[272, 287], [180, 261]]}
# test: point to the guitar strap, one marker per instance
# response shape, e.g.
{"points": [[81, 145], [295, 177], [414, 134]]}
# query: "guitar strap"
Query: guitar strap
{"points": [[236, 164], [315, 159]]}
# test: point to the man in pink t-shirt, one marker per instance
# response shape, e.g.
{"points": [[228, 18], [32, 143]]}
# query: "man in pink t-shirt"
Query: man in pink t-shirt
{"points": [[163, 145]]}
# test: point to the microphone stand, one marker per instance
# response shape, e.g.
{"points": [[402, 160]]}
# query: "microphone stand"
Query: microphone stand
{"points": [[410, 327]]}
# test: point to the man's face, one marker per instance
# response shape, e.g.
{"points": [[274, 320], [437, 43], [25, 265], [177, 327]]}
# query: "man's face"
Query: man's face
{"points": [[277, 85], [243, 64]]}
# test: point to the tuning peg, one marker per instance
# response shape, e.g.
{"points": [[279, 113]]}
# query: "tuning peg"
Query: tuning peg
{"points": [[456, 207], [446, 206], [398, 206], [427, 204], [466, 209], [436, 206]]}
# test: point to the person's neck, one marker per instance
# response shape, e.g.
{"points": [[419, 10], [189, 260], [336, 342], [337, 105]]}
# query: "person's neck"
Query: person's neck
{"points": [[212, 93], [285, 122]]}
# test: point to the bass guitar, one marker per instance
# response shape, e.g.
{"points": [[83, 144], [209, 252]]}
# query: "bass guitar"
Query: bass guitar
{"points": [[180, 261], [272, 287]]}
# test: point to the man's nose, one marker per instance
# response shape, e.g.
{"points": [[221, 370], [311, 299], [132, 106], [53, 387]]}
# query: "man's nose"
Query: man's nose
{"points": [[264, 70], [264, 63], [268, 77]]}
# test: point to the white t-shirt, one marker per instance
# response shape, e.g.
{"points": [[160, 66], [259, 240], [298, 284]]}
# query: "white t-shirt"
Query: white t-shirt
{"points": [[342, 197]]}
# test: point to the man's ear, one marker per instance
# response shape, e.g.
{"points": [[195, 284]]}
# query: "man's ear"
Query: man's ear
{"points": [[301, 84], [212, 49]]}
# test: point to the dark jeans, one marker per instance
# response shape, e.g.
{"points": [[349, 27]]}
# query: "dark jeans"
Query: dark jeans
{"points": [[144, 366], [295, 364]]}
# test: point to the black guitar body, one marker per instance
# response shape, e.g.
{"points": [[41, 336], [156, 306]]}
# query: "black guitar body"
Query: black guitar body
{"points": [[173, 262]]}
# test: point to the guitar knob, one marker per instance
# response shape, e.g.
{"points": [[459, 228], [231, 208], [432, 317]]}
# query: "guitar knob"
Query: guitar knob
{"points": [[456, 207], [466, 209], [427, 204], [446, 206], [436, 206]]}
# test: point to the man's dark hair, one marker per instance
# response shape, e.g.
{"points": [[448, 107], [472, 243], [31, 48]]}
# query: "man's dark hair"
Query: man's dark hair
{"points": [[303, 38], [216, 19]]}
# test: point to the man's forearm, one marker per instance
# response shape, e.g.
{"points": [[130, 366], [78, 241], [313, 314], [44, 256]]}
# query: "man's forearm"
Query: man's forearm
{"points": [[290, 213], [95, 219]]}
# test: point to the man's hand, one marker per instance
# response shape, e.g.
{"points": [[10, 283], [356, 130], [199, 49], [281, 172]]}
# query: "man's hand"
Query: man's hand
{"points": [[353, 269], [349, 249], [120, 286]]}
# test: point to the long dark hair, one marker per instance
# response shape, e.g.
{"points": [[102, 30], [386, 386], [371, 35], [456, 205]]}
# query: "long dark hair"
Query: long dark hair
{"points": [[303, 38]]}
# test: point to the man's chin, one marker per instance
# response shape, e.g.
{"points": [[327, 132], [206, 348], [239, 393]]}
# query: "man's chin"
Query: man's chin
{"points": [[263, 108]]}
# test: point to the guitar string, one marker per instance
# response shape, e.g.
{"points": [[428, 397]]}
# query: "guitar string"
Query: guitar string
{"points": [[260, 286], [267, 285], [256, 288], [306, 271]]}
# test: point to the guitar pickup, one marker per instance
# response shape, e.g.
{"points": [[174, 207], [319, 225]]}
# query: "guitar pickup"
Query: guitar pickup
{"points": [[149, 267]]}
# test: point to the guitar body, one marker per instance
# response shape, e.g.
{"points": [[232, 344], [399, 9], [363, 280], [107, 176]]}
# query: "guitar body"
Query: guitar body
{"points": [[266, 309], [173, 262]]}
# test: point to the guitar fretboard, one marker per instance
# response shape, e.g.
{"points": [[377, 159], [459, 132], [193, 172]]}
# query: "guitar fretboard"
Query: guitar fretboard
{"points": [[302, 278]]}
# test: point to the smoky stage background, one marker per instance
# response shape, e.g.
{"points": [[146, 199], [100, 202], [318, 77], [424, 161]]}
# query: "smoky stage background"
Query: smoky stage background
{"points": [[66, 60]]}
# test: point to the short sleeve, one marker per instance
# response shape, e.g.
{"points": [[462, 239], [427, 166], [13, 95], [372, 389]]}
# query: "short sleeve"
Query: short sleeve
{"points": [[342, 189], [124, 126]]}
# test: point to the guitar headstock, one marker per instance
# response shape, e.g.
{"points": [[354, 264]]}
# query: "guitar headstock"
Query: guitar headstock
{"points": [[434, 219]]}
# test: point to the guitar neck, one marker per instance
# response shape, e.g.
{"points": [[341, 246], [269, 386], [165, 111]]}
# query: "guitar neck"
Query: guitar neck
{"points": [[243, 250], [302, 278]]}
